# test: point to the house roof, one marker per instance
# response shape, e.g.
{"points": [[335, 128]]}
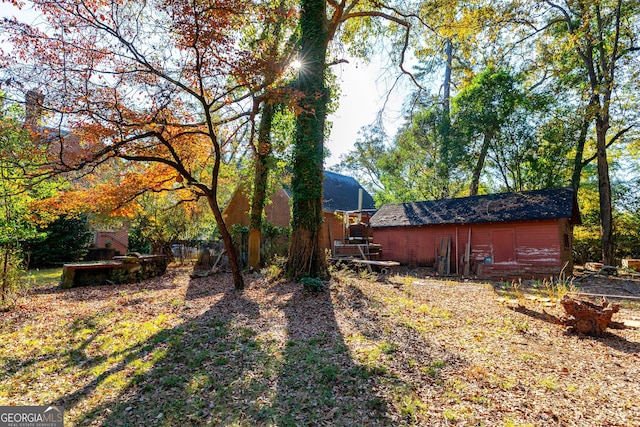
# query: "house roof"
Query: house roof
{"points": [[341, 193], [505, 207]]}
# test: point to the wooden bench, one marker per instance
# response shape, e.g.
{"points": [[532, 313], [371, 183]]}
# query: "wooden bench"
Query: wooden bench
{"points": [[87, 274], [124, 269]]}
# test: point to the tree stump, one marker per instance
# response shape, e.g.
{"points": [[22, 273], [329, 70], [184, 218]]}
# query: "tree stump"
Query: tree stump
{"points": [[588, 318]]}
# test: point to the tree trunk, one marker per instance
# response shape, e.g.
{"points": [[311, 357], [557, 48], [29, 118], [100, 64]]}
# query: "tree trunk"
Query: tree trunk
{"points": [[445, 157], [306, 257], [260, 178], [232, 253], [5, 274], [477, 170], [577, 162], [604, 189], [446, 91]]}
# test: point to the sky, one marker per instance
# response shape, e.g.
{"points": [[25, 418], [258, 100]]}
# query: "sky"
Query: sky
{"points": [[364, 90]]}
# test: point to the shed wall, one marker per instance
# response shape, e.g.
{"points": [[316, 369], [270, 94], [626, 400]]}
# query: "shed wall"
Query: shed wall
{"points": [[522, 249], [332, 229]]}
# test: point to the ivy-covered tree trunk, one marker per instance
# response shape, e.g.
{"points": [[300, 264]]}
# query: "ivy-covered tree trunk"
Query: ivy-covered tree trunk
{"points": [[260, 178], [306, 257]]}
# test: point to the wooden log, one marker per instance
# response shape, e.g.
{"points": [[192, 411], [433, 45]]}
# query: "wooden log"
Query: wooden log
{"points": [[632, 264], [593, 266], [467, 255], [588, 318]]}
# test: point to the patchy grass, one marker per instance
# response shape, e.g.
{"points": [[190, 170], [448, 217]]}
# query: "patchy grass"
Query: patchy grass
{"points": [[180, 351], [39, 278]]}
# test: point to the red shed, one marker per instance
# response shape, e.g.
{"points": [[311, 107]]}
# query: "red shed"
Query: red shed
{"points": [[527, 234]]}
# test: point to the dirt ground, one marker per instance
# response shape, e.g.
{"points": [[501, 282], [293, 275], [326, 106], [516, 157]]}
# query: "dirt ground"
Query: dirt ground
{"points": [[624, 284], [376, 351]]}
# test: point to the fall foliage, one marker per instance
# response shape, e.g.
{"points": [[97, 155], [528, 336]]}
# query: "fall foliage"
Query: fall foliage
{"points": [[165, 87]]}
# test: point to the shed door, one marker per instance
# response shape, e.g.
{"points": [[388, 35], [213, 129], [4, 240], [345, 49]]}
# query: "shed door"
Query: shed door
{"points": [[412, 248], [504, 245]]}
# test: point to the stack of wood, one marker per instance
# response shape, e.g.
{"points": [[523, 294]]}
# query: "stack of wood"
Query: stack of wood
{"points": [[589, 318], [444, 258]]}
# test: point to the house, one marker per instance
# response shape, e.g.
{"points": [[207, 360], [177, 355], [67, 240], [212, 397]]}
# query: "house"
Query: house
{"points": [[340, 199], [527, 234], [66, 148], [112, 237]]}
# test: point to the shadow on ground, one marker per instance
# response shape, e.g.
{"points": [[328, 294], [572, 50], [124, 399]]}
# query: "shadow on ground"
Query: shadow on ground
{"points": [[610, 339], [220, 368]]}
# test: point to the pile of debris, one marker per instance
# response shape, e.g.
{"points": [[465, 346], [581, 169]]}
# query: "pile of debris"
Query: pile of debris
{"points": [[589, 318]]}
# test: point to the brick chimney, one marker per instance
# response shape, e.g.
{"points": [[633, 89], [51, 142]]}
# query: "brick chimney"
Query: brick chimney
{"points": [[33, 101]]}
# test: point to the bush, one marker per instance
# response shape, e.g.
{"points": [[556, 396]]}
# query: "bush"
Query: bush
{"points": [[66, 239], [312, 284], [275, 269], [586, 245], [11, 272], [627, 235], [137, 241], [275, 241], [274, 244]]}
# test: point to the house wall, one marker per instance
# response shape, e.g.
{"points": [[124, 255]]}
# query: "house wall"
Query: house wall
{"points": [[521, 249], [332, 229], [119, 240], [236, 210], [277, 211], [566, 244]]}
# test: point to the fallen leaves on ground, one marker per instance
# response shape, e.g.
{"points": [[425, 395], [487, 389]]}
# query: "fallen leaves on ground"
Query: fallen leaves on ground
{"points": [[180, 351]]}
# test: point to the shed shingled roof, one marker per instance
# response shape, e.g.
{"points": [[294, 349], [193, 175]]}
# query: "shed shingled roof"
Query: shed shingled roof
{"points": [[341, 193], [505, 207]]}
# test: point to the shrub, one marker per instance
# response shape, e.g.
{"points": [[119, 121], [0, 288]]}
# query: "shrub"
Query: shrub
{"points": [[66, 239], [312, 284], [275, 269], [11, 271]]}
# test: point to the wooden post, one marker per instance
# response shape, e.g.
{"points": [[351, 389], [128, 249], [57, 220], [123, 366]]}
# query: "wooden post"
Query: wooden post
{"points": [[441, 257], [457, 254], [467, 254], [447, 258]]}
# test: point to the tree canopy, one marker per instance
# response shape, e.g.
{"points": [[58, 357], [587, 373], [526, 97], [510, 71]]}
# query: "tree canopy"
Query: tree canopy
{"points": [[165, 87], [170, 97]]}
